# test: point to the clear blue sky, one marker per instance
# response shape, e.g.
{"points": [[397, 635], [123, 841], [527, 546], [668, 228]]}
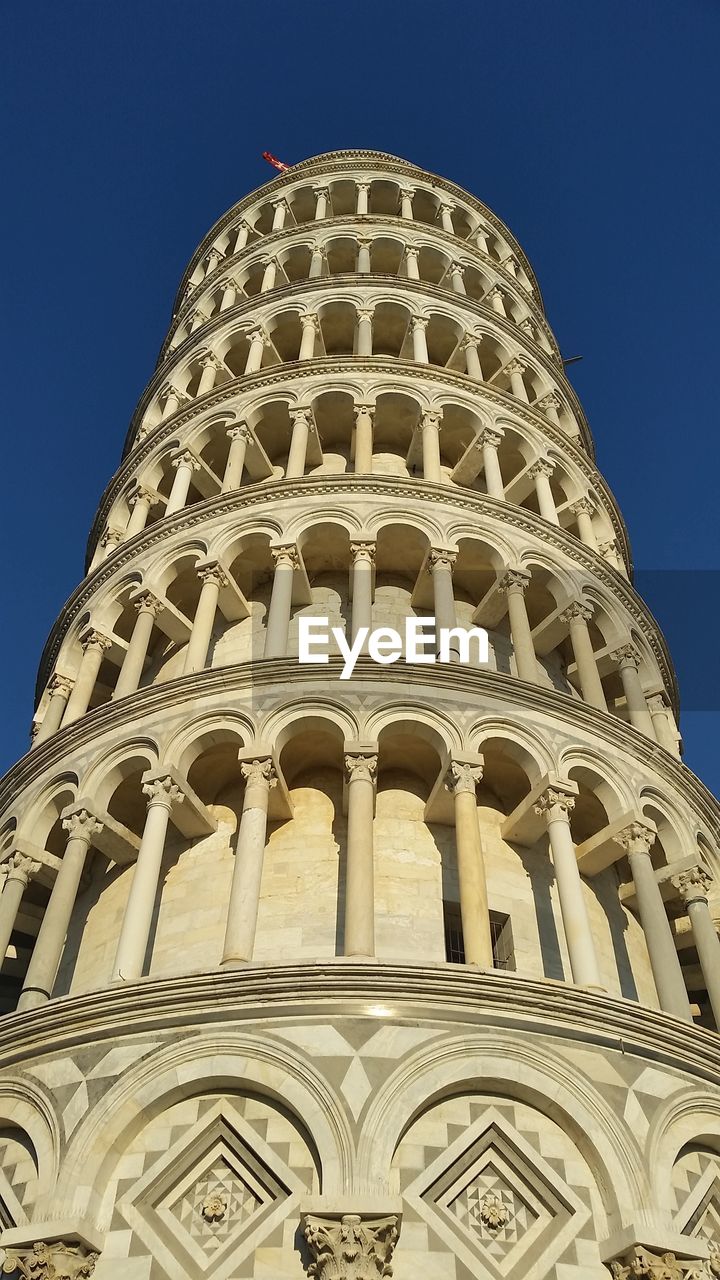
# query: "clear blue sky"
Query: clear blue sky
{"points": [[591, 128]]}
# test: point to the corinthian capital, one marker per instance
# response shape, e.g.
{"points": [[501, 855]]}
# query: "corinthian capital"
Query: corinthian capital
{"points": [[693, 885], [658, 1266], [259, 773], [361, 767], [636, 838], [163, 792], [56, 1261], [462, 776], [555, 805], [81, 825], [351, 1248]]}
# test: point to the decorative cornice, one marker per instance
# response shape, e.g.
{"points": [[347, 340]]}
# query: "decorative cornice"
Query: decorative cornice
{"points": [[362, 161], [468, 683], [453, 993]]}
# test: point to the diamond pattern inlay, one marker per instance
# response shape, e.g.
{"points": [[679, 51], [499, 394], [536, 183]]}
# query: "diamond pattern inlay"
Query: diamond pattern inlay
{"points": [[471, 1208], [235, 1202]]}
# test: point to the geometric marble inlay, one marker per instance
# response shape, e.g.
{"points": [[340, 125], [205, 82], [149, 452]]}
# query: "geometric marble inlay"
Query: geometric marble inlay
{"points": [[498, 1205], [208, 1201]]}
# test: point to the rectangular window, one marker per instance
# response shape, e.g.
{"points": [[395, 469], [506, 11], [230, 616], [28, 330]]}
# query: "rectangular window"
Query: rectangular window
{"points": [[500, 934]]}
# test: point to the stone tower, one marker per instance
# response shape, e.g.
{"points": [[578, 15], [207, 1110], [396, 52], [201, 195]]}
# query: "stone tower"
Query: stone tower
{"points": [[417, 969]]}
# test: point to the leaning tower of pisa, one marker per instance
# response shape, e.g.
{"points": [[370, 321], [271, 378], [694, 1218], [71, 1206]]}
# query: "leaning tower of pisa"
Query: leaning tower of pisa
{"points": [[414, 972]]}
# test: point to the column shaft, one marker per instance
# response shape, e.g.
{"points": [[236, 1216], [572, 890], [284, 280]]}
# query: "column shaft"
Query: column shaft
{"points": [[359, 875], [298, 444], [94, 648], [136, 653], [249, 858], [667, 974], [590, 683], [362, 585], [239, 439], [432, 468], [60, 690], [135, 930], [363, 439], [514, 584], [477, 937], [278, 619], [204, 621]]}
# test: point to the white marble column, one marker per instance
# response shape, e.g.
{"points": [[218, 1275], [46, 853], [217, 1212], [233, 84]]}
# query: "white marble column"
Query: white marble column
{"points": [[541, 472], [693, 886], [280, 211], [310, 327], [140, 502], [440, 564], [577, 616], [184, 464], [489, 442], [241, 237], [364, 331], [364, 416], [213, 577], [322, 196], [240, 437], [363, 193], [286, 561], [210, 366], [583, 511], [258, 342], [462, 780], [472, 359], [148, 607], [456, 271], [360, 872], [363, 558], [515, 370], [496, 298], [637, 841], [317, 261], [663, 723], [81, 827], [60, 688], [301, 420], [515, 583], [419, 340], [411, 262], [213, 261], [230, 292], [556, 806], [171, 397], [269, 275], [446, 213], [430, 428], [363, 258], [162, 794], [406, 199], [19, 870], [198, 320], [242, 916], [481, 240], [628, 660], [94, 647]]}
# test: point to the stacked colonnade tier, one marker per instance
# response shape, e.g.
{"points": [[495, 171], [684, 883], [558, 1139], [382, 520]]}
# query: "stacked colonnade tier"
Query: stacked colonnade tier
{"points": [[417, 969]]}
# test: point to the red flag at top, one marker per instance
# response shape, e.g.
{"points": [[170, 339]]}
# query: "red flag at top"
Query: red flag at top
{"points": [[273, 160]]}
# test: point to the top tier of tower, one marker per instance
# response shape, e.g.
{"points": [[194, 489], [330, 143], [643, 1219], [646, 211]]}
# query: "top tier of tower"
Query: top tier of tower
{"points": [[346, 214]]}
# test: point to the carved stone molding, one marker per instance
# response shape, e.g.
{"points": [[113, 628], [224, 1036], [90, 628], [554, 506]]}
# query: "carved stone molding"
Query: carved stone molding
{"points": [[658, 1266], [351, 1248]]}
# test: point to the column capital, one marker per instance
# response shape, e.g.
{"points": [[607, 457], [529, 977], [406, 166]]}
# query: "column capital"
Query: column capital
{"points": [[489, 436], [93, 639], [626, 656], [457, 268], [446, 206], [543, 466], [146, 602], [43, 1261], [441, 557], [365, 313], [215, 253], [583, 506], [19, 866], [200, 316], [367, 409], [494, 293], [302, 413], [555, 805], [639, 1261], [361, 766], [82, 825], [211, 361], [321, 191], [279, 201], [185, 459], [214, 573], [517, 579], [693, 884], [351, 1247], [516, 365], [141, 493], [362, 551], [430, 420], [577, 611], [169, 390], [549, 401], [162, 792], [412, 251], [470, 340], [240, 431], [257, 332], [310, 320], [60, 684], [112, 537], [528, 327], [419, 322], [260, 772], [362, 186], [463, 777], [318, 247], [286, 555], [638, 837]]}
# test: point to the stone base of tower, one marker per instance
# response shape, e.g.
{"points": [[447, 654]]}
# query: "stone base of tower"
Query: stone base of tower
{"points": [[447, 1122]]}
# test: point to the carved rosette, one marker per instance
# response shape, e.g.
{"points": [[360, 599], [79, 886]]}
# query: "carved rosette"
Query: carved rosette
{"points": [[351, 1248], [56, 1261]]}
